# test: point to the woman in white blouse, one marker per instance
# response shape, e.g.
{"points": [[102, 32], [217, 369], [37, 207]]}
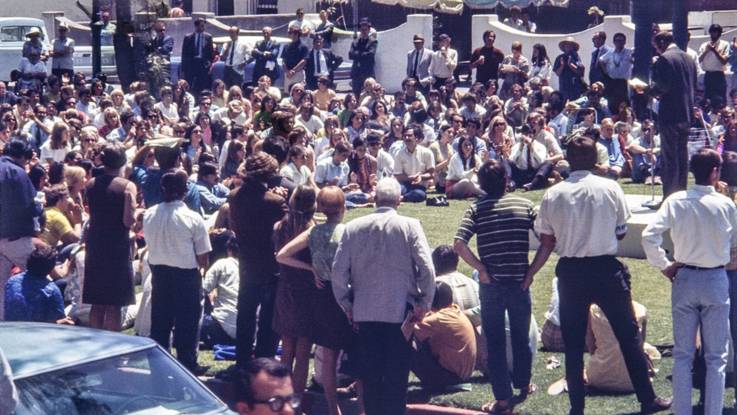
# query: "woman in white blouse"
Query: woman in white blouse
{"points": [[58, 145], [540, 66], [461, 181], [296, 170]]}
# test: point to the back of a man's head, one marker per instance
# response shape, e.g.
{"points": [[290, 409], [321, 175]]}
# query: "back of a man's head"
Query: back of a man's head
{"points": [[493, 178], [702, 165], [444, 259], [113, 155], [581, 153], [248, 390], [443, 296], [41, 261], [174, 185], [388, 192]]}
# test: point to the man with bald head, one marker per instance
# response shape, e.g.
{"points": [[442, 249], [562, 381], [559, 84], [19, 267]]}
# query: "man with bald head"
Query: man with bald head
{"points": [[265, 55]]}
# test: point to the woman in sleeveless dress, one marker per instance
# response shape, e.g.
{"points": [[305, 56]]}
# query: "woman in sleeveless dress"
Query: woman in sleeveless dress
{"points": [[292, 318], [108, 281], [330, 326]]}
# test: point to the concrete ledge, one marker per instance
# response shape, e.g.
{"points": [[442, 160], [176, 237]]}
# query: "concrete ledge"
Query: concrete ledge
{"points": [[427, 409], [631, 245]]}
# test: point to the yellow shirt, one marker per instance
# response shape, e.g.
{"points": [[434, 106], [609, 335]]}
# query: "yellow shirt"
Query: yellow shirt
{"points": [[57, 225], [452, 339]]}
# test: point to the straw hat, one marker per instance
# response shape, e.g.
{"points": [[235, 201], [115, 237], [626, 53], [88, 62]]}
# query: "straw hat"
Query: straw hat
{"points": [[34, 32], [570, 41], [595, 10]]}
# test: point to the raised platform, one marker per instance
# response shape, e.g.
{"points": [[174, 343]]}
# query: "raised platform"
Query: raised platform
{"points": [[631, 245]]}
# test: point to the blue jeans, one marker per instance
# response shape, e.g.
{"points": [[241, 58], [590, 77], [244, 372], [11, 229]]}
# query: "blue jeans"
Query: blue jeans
{"points": [[496, 299], [732, 275], [413, 193], [700, 297]]}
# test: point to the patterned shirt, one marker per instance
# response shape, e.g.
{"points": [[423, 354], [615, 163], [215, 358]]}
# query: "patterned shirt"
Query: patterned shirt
{"points": [[502, 227]]}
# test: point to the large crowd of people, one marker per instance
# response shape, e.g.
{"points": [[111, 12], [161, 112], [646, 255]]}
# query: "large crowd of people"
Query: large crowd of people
{"points": [[232, 192]]}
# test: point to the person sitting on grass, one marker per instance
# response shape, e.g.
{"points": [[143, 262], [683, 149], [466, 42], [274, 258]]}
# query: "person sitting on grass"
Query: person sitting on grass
{"points": [[446, 354], [221, 284], [31, 295]]}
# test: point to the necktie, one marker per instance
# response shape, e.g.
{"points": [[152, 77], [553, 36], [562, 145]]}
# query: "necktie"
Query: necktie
{"points": [[197, 45], [595, 60], [417, 63], [317, 62], [529, 156], [232, 51]]}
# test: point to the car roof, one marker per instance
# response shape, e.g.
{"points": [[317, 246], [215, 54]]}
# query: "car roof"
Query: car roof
{"points": [[33, 348], [23, 21]]}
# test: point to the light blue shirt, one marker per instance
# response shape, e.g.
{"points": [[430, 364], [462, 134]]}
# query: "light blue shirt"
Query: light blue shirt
{"points": [[326, 171]]}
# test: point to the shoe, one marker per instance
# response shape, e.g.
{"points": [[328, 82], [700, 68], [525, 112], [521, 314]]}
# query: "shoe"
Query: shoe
{"points": [[657, 405], [527, 187]]}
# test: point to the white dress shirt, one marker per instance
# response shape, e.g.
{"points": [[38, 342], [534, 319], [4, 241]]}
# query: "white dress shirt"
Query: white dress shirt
{"points": [[702, 224], [235, 55], [175, 235], [443, 64], [417, 162], [322, 68], [519, 156], [585, 213]]}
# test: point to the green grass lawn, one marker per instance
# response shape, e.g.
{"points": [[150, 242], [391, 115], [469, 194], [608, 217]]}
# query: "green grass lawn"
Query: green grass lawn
{"points": [[649, 288]]}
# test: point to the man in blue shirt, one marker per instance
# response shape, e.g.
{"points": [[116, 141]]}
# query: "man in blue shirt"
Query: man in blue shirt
{"points": [[18, 211], [616, 158], [212, 194], [31, 295]]}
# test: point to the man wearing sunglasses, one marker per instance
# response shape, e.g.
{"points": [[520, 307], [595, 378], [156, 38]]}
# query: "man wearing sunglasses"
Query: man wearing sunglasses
{"points": [[264, 387]]}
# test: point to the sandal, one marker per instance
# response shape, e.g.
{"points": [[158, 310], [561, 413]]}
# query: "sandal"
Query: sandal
{"points": [[494, 408]]}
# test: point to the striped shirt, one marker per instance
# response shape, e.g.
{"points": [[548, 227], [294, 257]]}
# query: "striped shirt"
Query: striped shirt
{"points": [[502, 230]]}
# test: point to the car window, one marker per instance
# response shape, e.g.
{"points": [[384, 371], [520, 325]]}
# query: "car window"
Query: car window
{"points": [[147, 382], [15, 33]]}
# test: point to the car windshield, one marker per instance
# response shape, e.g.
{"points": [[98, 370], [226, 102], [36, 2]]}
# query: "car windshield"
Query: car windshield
{"points": [[16, 33], [145, 382]]}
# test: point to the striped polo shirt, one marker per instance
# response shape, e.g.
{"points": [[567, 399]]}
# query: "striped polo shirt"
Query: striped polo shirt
{"points": [[502, 229]]}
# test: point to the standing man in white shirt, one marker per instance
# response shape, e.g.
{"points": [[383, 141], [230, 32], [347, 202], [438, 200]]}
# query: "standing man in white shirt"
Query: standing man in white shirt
{"points": [[713, 57], [444, 62], [178, 245], [235, 53], [418, 63], [588, 271], [617, 65], [62, 51], [703, 227]]}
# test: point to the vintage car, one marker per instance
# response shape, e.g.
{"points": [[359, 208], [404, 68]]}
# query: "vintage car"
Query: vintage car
{"points": [[72, 370], [13, 34]]}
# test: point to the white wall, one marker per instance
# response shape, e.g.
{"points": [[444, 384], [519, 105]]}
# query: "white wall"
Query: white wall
{"points": [[391, 54]]}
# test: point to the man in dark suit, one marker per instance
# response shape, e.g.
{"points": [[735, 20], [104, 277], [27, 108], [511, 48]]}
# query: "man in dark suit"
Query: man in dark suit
{"points": [[265, 56], [673, 83], [321, 62], [418, 64], [162, 43], [363, 54], [254, 209], [197, 56], [600, 49]]}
